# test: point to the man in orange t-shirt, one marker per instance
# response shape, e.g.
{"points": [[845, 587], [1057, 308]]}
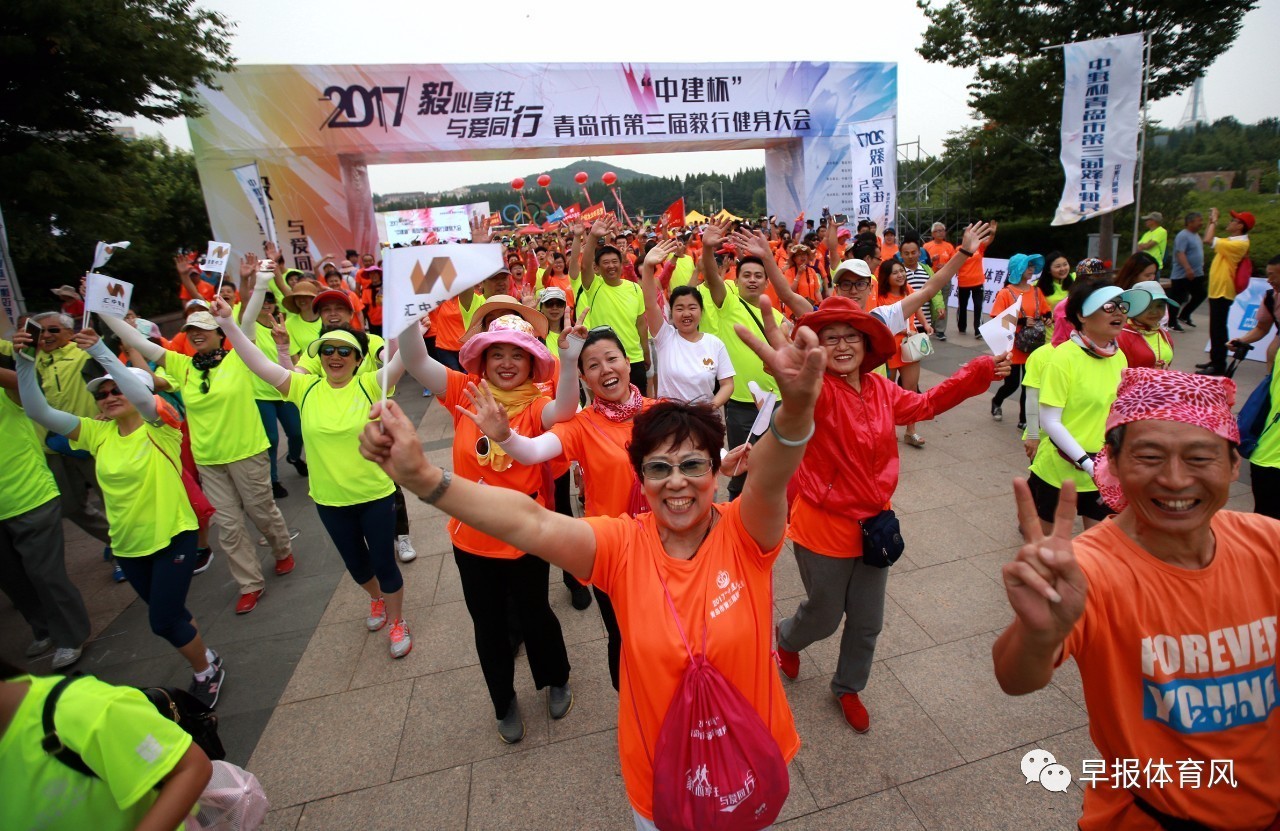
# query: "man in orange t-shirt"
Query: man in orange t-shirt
{"points": [[971, 282], [1169, 610]]}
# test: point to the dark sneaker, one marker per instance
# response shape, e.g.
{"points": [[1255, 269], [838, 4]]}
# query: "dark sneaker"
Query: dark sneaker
{"points": [[204, 558], [117, 573], [511, 726], [38, 647], [559, 701], [940, 336], [278, 491], [1186, 321], [997, 414], [207, 691], [299, 465]]}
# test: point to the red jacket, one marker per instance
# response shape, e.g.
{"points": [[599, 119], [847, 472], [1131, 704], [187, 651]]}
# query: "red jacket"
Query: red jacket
{"points": [[1136, 349], [851, 464]]}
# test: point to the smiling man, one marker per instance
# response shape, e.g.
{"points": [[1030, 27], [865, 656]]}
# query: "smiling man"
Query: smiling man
{"points": [[1169, 609]]}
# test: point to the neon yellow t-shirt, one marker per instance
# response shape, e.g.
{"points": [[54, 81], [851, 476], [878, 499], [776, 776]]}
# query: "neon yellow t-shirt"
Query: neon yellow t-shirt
{"points": [[746, 363], [225, 425], [301, 332], [553, 344], [1033, 369], [262, 391], [142, 490], [368, 364], [1085, 388], [1267, 453], [25, 480], [618, 307], [332, 420], [119, 735], [683, 272]]}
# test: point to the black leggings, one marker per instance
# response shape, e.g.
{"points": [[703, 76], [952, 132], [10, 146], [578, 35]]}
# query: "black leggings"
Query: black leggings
{"points": [[162, 580], [363, 536], [1266, 490], [1011, 384], [974, 295], [489, 587]]}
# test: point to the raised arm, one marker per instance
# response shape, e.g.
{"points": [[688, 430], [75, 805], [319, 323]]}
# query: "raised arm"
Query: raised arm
{"points": [[1047, 591], [253, 357], [649, 283], [33, 401], [712, 238], [973, 237], [254, 292], [185, 269], [427, 370], [135, 391], [575, 251], [133, 339], [392, 371], [797, 368], [492, 420], [1212, 228], [505, 514], [565, 404], [757, 245]]}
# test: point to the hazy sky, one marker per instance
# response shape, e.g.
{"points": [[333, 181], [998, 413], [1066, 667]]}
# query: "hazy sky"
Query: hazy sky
{"points": [[931, 96]]}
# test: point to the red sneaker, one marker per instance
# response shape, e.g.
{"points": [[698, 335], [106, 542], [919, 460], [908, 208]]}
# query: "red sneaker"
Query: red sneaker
{"points": [[855, 713], [284, 566], [248, 602], [788, 660]]}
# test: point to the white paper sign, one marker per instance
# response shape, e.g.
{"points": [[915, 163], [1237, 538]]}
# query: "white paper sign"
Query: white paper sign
{"points": [[417, 279], [215, 261], [998, 332], [106, 295], [766, 401]]}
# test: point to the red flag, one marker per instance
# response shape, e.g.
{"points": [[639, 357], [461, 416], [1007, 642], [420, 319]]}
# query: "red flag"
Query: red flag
{"points": [[592, 213], [798, 228], [572, 212], [672, 217]]}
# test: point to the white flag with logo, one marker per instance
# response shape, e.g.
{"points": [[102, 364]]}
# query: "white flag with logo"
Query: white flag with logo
{"points": [[251, 183], [215, 261], [106, 295], [1101, 106], [418, 278], [105, 250]]}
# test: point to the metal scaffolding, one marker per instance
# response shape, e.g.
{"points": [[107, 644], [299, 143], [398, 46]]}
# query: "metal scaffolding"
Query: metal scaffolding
{"points": [[925, 197]]}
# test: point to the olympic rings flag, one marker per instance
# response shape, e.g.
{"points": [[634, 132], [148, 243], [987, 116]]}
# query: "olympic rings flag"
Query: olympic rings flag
{"points": [[313, 130], [1100, 109]]}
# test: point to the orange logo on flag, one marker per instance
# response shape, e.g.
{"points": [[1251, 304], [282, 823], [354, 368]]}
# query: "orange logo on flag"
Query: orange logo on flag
{"points": [[220, 252], [439, 269], [115, 290]]}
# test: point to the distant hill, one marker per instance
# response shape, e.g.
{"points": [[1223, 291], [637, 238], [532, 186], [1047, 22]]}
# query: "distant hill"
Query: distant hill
{"points": [[562, 177]]}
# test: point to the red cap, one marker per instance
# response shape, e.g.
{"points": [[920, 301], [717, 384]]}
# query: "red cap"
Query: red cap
{"points": [[330, 295], [1246, 218]]}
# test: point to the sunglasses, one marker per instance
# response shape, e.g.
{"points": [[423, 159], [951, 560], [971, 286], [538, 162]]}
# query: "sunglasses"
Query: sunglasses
{"points": [[101, 394], [656, 471], [53, 330], [836, 340], [343, 351], [1113, 306]]}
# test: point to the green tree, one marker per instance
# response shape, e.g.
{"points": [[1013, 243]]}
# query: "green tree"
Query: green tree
{"points": [[71, 69], [1018, 86]]}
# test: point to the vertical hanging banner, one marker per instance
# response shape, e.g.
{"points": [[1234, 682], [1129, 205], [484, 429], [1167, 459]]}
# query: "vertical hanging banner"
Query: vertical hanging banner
{"points": [[10, 292], [1101, 106], [251, 183], [874, 171]]}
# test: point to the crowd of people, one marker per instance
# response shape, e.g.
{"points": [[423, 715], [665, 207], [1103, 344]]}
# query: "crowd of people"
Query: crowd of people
{"points": [[639, 368]]}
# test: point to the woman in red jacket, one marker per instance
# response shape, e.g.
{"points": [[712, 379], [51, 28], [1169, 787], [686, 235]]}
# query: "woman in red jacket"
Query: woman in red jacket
{"points": [[847, 479]]}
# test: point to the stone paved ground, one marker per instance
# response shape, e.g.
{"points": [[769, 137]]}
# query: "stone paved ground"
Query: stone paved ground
{"points": [[342, 737]]}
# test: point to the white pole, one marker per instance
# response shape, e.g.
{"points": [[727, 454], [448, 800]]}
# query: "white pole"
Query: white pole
{"points": [[1142, 141]]}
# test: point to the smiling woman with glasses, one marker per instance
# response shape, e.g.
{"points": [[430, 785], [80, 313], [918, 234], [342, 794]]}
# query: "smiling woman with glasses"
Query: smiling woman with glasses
{"points": [[686, 564]]}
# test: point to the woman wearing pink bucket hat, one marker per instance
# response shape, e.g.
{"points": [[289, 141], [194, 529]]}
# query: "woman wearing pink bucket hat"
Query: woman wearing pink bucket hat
{"points": [[507, 361]]}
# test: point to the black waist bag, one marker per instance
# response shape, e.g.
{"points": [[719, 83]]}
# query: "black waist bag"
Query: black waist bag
{"points": [[882, 543]]}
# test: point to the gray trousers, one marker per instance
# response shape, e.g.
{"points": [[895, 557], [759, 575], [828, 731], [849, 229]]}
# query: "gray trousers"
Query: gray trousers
{"points": [[33, 573], [838, 587], [75, 477]]}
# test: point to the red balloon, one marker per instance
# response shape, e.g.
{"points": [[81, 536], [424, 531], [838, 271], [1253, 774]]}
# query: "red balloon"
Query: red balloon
{"points": [[580, 178], [517, 184], [609, 178], [544, 180]]}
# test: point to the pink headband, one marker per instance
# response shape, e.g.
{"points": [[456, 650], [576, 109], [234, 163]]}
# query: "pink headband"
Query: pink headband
{"points": [[1165, 395]]}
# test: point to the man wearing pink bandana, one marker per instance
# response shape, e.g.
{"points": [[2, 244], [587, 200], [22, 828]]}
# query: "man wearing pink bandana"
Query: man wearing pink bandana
{"points": [[1169, 609]]}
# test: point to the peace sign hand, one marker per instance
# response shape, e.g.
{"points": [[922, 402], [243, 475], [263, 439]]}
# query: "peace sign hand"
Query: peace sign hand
{"points": [[1045, 585], [489, 416]]}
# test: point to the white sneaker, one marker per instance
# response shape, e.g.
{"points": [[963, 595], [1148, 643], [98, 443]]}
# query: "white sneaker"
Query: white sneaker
{"points": [[38, 647], [64, 657], [404, 549]]}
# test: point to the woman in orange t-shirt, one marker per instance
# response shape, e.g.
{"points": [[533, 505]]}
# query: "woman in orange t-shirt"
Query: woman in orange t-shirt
{"points": [[713, 561], [1032, 306], [893, 278], [506, 361]]}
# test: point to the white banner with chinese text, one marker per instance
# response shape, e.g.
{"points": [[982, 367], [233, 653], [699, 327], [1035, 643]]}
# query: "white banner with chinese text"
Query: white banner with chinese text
{"points": [[1101, 105], [874, 153]]}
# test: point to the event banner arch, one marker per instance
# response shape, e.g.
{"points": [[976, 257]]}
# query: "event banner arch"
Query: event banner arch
{"points": [[313, 130]]}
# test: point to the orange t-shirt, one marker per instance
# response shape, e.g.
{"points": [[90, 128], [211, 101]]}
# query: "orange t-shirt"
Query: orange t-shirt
{"points": [[372, 300], [1035, 306], [1181, 664], [600, 446], [939, 253], [207, 290], [448, 324], [887, 252], [807, 287], [726, 588], [518, 477], [971, 273], [828, 534]]}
